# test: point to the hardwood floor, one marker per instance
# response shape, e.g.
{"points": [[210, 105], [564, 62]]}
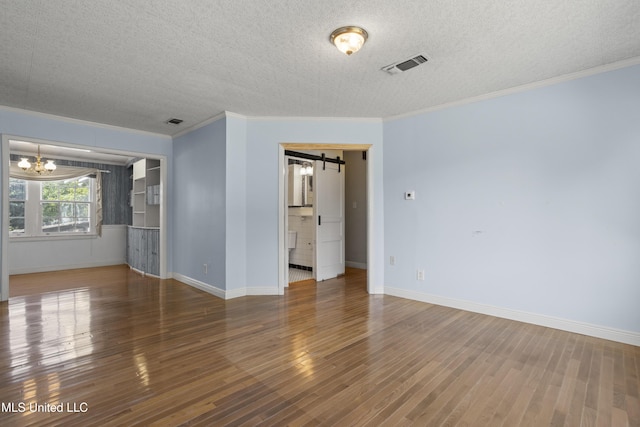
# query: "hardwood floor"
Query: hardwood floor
{"points": [[121, 349]]}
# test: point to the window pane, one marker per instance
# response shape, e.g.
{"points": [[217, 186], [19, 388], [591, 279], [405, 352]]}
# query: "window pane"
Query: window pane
{"points": [[17, 189], [82, 225], [66, 210], [83, 191], [16, 225], [17, 195], [82, 210], [16, 209], [49, 190], [67, 191], [50, 228], [50, 213]]}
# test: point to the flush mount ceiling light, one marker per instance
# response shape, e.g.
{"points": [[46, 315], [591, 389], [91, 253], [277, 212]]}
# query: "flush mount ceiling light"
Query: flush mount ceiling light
{"points": [[39, 167], [349, 40]]}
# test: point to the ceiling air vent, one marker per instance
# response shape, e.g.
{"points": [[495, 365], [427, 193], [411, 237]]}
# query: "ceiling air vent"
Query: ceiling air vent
{"points": [[174, 121], [408, 64]]}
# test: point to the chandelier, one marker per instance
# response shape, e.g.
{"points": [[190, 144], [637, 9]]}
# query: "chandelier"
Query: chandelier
{"points": [[38, 167]]}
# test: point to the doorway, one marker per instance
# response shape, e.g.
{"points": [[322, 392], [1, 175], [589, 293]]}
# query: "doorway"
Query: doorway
{"points": [[299, 217], [112, 234], [365, 205]]}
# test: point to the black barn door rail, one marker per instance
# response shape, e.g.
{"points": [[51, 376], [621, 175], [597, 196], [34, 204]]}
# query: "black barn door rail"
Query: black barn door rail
{"points": [[324, 159]]}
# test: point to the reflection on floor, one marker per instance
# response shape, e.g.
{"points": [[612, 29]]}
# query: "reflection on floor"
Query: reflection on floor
{"points": [[54, 281], [297, 275]]}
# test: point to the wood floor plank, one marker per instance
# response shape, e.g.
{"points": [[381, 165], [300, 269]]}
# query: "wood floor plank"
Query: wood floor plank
{"points": [[142, 351], [540, 355], [605, 393]]}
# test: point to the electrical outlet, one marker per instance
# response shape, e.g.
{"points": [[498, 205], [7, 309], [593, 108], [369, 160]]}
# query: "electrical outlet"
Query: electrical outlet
{"points": [[420, 275], [205, 268], [392, 260]]}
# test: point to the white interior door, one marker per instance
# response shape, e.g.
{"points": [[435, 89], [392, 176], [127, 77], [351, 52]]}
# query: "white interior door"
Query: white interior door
{"points": [[329, 219]]}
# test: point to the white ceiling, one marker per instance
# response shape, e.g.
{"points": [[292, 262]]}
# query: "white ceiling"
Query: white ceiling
{"points": [[138, 63]]}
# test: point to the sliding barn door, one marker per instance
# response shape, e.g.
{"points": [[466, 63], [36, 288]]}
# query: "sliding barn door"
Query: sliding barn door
{"points": [[329, 217]]}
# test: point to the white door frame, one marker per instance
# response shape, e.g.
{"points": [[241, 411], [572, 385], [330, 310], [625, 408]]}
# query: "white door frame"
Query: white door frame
{"points": [[283, 255]]}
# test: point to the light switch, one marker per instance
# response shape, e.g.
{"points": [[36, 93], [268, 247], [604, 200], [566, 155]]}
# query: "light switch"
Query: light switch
{"points": [[410, 195]]}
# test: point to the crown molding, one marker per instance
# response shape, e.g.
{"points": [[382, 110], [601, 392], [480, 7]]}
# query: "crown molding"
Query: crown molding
{"points": [[523, 88], [230, 114], [201, 124], [80, 122], [235, 115], [316, 119]]}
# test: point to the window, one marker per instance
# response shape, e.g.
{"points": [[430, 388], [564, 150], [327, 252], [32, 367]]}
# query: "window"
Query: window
{"points": [[58, 208], [65, 206], [17, 200]]}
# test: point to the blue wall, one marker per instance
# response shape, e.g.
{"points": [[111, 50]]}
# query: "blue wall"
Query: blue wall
{"points": [[236, 203], [199, 204], [527, 202]]}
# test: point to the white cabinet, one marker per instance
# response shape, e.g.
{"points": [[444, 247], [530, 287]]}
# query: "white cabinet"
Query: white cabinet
{"points": [[143, 237], [146, 193]]}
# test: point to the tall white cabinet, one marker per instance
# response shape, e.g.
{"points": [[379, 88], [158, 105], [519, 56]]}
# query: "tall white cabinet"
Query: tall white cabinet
{"points": [[146, 193], [143, 242]]}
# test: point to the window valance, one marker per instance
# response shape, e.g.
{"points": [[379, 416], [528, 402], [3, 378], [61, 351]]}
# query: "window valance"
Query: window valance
{"points": [[62, 172]]}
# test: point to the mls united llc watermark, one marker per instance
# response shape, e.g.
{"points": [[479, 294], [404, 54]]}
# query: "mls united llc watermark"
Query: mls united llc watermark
{"points": [[22, 407]]}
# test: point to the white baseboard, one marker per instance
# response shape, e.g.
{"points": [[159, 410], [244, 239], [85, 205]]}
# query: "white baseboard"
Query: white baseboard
{"points": [[353, 264], [242, 292], [45, 269], [221, 293], [210, 289], [140, 272], [263, 291], [626, 337]]}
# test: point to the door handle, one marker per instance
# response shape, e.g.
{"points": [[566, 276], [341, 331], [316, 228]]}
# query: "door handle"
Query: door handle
{"points": [[319, 220]]}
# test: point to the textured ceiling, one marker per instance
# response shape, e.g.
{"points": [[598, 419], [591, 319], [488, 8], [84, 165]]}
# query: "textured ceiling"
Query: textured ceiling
{"points": [[138, 63]]}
